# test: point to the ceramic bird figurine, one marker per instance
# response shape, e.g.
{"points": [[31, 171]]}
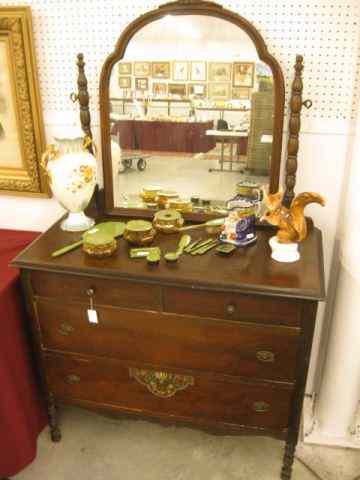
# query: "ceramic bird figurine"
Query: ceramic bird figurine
{"points": [[291, 221]]}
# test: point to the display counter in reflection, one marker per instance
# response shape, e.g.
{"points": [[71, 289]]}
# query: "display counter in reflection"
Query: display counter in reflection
{"points": [[164, 136]]}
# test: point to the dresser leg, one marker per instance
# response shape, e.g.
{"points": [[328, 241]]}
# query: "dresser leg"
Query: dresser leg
{"points": [[53, 419], [288, 461]]}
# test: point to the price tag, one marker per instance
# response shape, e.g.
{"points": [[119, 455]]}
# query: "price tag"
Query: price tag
{"points": [[92, 316]]}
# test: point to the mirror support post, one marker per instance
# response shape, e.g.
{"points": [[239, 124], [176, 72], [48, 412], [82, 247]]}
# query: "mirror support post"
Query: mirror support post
{"points": [[296, 104], [83, 98]]}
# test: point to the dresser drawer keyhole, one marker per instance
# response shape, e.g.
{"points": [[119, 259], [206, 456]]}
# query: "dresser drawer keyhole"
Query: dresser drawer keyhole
{"points": [[72, 379], [265, 356]]}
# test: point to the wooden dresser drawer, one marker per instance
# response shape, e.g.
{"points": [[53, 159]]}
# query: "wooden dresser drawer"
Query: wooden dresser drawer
{"points": [[225, 347], [111, 383], [232, 306], [106, 292]]}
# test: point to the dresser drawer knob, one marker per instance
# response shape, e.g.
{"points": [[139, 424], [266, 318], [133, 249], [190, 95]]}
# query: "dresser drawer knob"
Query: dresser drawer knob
{"points": [[230, 309], [66, 329], [265, 356], [72, 379], [261, 407]]}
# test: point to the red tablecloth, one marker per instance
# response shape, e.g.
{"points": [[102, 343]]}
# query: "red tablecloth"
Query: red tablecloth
{"points": [[22, 412]]}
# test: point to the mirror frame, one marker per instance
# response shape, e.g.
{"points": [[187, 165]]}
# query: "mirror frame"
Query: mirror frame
{"points": [[186, 7]]}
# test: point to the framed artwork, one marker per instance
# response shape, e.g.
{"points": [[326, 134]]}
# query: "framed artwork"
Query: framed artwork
{"points": [[243, 74], [142, 69], [160, 89], [21, 126], [125, 82], [198, 72], [197, 89], [241, 93], [142, 84], [219, 90], [177, 89], [180, 71], [125, 68], [161, 69], [220, 72]]}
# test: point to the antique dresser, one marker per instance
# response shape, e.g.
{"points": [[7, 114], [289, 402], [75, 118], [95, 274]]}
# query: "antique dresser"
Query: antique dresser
{"points": [[214, 343], [219, 343]]}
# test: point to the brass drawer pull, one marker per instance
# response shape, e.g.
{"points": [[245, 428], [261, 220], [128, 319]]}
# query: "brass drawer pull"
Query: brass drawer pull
{"points": [[161, 384], [230, 309], [261, 407], [65, 329], [265, 356], [72, 379]]}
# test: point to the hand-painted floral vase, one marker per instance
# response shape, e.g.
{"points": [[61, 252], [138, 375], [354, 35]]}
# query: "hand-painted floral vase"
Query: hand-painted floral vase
{"points": [[71, 170]]}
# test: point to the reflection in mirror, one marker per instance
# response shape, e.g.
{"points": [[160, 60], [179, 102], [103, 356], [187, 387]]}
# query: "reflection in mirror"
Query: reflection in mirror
{"points": [[192, 110]]}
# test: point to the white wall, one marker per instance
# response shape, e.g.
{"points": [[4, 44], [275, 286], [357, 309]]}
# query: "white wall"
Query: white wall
{"points": [[325, 32]]}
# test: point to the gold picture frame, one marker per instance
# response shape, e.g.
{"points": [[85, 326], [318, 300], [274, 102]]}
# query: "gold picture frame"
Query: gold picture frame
{"points": [[160, 89], [198, 71], [220, 71], [199, 90], [177, 89], [219, 90], [243, 74], [22, 137], [180, 71], [142, 84], [161, 70], [125, 68], [241, 93], [142, 69], [124, 82]]}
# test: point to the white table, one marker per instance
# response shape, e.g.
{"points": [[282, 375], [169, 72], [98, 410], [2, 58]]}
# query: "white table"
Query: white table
{"points": [[231, 137]]}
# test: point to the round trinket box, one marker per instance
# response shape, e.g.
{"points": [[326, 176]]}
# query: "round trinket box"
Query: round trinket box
{"points": [[139, 232], [164, 197], [150, 193], [182, 205], [168, 221], [99, 244], [249, 190]]}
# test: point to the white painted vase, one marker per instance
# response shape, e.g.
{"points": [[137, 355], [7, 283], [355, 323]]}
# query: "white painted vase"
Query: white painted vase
{"points": [[71, 170], [284, 252]]}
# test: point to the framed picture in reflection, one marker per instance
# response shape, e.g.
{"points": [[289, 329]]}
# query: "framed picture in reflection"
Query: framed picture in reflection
{"points": [[178, 89], [142, 84], [159, 89], [219, 90], [243, 74], [161, 69], [241, 93], [198, 71], [197, 89], [142, 69], [125, 68], [125, 82], [220, 72], [180, 71]]}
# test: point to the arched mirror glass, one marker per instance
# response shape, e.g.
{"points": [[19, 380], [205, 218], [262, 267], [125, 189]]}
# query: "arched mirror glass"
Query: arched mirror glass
{"points": [[191, 111]]}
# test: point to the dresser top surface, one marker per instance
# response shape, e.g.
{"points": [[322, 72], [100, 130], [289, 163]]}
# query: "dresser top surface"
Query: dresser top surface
{"points": [[247, 270]]}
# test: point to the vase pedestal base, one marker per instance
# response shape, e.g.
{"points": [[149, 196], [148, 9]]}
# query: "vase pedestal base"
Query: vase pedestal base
{"points": [[77, 222]]}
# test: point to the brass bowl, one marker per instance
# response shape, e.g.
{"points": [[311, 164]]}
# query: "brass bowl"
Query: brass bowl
{"points": [[99, 244], [164, 196], [182, 205], [168, 221], [139, 232]]}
